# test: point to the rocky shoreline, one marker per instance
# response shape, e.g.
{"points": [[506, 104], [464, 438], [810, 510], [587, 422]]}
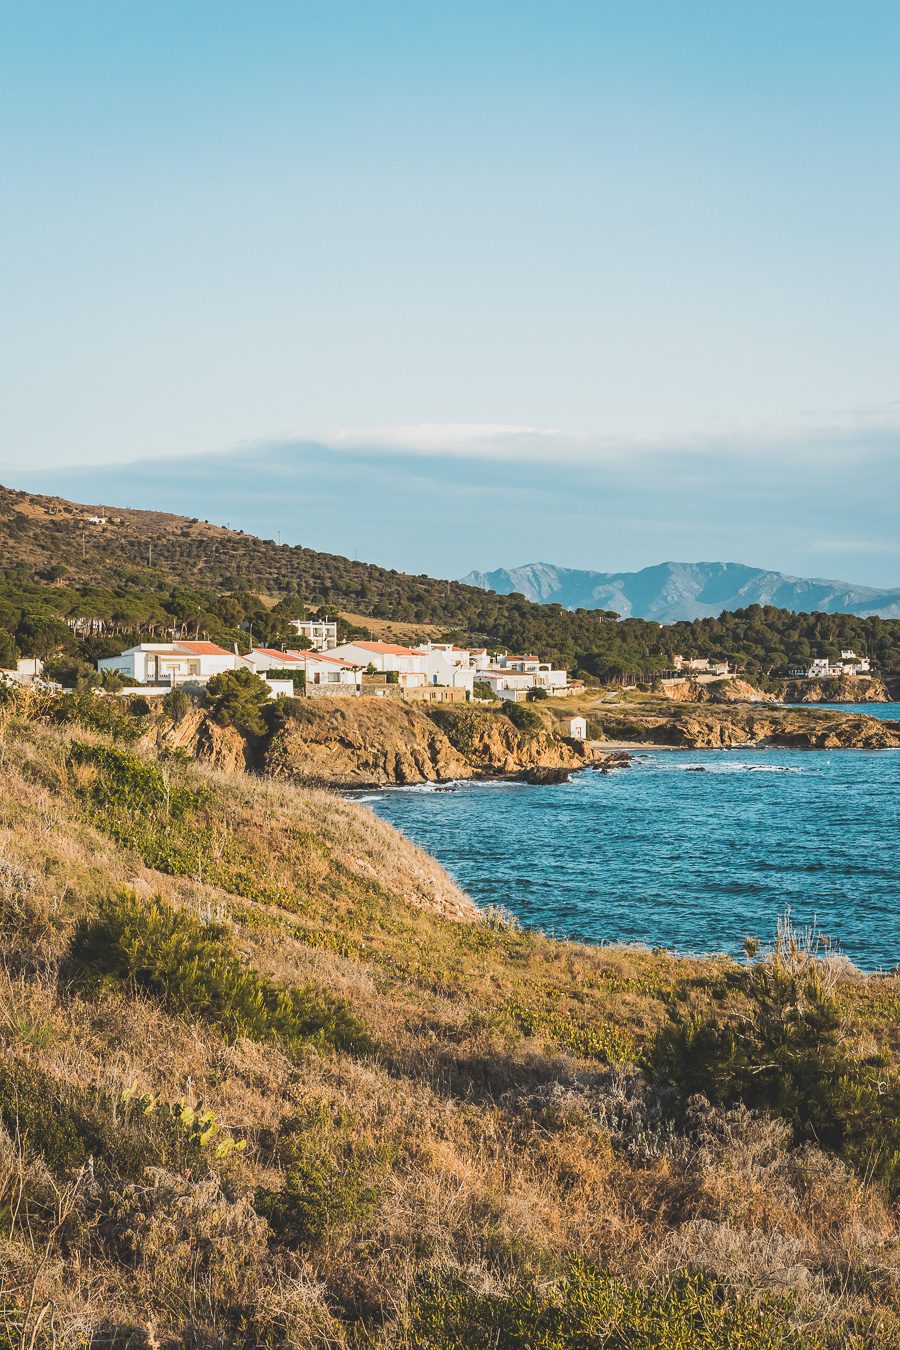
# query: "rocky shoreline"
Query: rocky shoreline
{"points": [[372, 743]]}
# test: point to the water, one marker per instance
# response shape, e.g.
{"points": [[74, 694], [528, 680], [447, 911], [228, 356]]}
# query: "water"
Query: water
{"points": [[660, 854], [885, 712]]}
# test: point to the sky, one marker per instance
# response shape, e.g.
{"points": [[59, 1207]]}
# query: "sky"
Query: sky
{"points": [[462, 285]]}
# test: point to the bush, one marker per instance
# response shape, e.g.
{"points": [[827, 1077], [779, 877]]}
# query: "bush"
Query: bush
{"points": [[107, 715], [591, 1308], [522, 718], [193, 970], [537, 694], [330, 1179], [481, 689], [787, 1052], [236, 699], [177, 704]]}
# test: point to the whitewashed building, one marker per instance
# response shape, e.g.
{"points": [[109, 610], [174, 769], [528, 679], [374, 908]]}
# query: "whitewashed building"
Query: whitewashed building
{"points": [[321, 634], [448, 665], [410, 667], [171, 663]]}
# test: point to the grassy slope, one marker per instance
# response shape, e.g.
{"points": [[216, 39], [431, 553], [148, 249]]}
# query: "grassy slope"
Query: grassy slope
{"points": [[497, 1127]]}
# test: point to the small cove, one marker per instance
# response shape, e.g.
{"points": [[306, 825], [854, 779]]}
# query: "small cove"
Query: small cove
{"points": [[691, 851]]}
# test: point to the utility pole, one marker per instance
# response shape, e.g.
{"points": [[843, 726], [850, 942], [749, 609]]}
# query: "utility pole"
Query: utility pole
{"points": [[150, 555], [82, 546]]}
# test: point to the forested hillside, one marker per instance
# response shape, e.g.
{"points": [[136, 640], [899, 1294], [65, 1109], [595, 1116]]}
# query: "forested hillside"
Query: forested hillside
{"points": [[142, 573]]}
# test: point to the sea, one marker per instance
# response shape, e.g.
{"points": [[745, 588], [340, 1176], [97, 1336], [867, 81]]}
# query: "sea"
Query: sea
{"points": [[692, 851]]}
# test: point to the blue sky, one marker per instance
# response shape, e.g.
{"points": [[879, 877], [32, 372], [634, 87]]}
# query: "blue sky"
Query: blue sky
{"points": [[661, 236]]}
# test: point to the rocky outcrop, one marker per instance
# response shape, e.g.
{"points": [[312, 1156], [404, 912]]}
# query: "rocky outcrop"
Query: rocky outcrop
{"points": [[198, 736], [704, 727], [845, 689], [373, 743]]}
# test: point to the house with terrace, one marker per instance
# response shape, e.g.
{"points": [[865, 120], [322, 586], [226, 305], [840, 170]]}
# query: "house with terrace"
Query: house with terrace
{"points": [[168, 664], [408, 667]]}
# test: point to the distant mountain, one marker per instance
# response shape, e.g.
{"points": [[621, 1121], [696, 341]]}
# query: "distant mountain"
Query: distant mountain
{"points": [[672, 591]]}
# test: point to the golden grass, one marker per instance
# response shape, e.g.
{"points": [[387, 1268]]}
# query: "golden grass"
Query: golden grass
{"points": [[502, 1147]]}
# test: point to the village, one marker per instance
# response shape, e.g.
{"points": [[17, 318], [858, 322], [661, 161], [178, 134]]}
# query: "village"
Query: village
{"points": [[431, 672]]}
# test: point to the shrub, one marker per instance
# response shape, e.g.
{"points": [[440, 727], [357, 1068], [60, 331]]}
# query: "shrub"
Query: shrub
{"points": [[330, 1179], [482, 689], [193, 970], [177, 704], [236, 699], [537, 694], [522, 718], [591, 1308], [787, 1052], [109, 716]]}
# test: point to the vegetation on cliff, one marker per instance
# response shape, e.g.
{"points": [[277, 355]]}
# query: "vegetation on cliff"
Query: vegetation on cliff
{"points": [[268, 1078]]}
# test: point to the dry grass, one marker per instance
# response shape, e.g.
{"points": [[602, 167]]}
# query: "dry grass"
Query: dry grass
{"points": [[496, 1138]]}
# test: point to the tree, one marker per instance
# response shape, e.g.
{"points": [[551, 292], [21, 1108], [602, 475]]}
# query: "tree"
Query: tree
{"points": [[9, 652], [236, 699]]}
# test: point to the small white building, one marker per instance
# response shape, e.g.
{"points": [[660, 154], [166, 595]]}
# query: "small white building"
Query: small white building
{"points": [[321, 634], [410, 667], [576, 728], [27, 670], [325, 669], [317, 668], [171, 663], [448, 665]]}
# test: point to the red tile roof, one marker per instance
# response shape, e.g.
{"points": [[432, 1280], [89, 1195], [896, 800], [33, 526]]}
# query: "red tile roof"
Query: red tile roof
{"points": [[386, 648], [288, 658], [202, 648]]}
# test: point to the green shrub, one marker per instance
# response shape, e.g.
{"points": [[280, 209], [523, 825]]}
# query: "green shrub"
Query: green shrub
{"points": [[523, 718], [610, 1044], [236, 699], [787, 1052], [106, 715], [589, 1308], [331, 1180], [482, 689], [537, 694], [177, 703], [194, 971]]}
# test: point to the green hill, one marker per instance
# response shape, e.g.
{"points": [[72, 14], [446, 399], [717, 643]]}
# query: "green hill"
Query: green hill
{"points": [[144, 572]]}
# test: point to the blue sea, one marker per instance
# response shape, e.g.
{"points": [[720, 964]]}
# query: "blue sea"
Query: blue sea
{"points": [[662, 854]]}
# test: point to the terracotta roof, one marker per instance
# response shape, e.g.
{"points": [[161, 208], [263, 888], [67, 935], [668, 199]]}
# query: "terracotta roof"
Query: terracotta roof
{"points": [[288, 658], [386, 648], [202, 648], [334, 660]]}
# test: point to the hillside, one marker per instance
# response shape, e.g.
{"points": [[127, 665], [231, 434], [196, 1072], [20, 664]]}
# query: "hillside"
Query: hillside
{"points": [[267, 1078], [673, 591], [142, 573]]}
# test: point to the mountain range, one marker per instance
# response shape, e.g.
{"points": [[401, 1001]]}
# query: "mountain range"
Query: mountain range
{"points": [[673, 591]]}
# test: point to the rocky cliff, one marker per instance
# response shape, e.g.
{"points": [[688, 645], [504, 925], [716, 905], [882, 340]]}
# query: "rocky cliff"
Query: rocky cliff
{"points": [[367, 742], [707, 726], [846, 689]]}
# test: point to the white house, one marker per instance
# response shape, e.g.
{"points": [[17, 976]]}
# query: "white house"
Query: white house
{"points": [[171, 663], [266, 659], [321, 634], [317, 668], [409, 666], [448, 665], [326, 669], [576, 728], [849, 664], [27, 670]]}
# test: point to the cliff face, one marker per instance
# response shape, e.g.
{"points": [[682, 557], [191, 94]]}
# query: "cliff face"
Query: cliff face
{"points": [[355, 743], [707, 727], [368, 743], [846, 689]]}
